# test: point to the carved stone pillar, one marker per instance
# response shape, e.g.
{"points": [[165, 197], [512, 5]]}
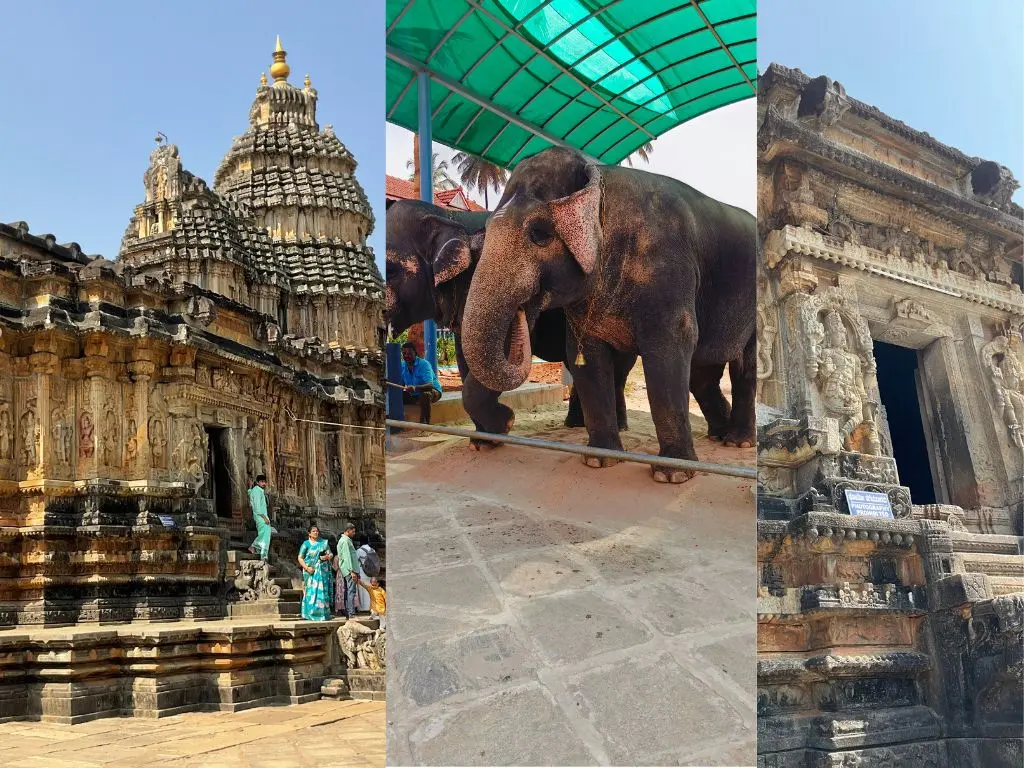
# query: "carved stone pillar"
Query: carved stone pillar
{"points": [[35, 419], [141, 369], [91, 414]]}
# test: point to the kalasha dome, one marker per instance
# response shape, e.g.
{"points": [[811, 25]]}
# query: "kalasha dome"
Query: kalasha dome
{"points": [[238, 333]]}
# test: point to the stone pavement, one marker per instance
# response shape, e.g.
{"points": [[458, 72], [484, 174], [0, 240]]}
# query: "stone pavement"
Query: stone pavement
{"points": [[546, 613], [334, 733]]}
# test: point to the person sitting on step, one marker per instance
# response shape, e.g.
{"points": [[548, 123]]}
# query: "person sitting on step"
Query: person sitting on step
{"points": [[419, 381]]}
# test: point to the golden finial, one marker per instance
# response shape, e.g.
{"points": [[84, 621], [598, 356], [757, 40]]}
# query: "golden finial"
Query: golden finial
{"points": [[263, 78], [279, 70], [307, 83]]}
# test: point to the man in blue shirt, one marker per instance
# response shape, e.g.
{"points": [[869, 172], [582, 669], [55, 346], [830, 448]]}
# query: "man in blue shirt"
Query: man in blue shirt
{"points": [[419, 381]]}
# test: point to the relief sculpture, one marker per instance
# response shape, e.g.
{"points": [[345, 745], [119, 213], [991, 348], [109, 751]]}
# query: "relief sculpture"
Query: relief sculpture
{"points": [[86, 445], [840, 373], [30, 435], [6, 433], [1007, 376], [157, 442], [60, 437]]}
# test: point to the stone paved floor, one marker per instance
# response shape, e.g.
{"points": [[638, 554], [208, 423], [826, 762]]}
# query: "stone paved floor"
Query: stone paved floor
{"points": [[329, 733], [545, 613]]}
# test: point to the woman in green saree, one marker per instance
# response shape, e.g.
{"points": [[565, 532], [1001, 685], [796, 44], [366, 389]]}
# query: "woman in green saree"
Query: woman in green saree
{"points": [[317, 579]]}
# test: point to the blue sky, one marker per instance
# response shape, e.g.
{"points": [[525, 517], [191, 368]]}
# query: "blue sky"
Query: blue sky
{"points": [[953, 69], [86, 91]]}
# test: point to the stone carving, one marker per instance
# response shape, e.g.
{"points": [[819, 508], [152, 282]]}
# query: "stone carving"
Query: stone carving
{"points": [[131, 445], [364, 648], [1007, 375], [839, 374], [767, 328], [111, 440], [6, 433], [30, 435], [61, 436], [86, 443], [195, 455], [157, 442], [253, 582], [201, 310], [822, 103], [255, 455]]}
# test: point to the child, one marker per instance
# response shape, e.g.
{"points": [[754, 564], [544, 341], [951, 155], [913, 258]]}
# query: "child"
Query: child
{"points": [[378, 601]]}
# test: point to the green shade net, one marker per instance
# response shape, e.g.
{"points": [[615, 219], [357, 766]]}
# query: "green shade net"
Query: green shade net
{"points": [[511, 77]]}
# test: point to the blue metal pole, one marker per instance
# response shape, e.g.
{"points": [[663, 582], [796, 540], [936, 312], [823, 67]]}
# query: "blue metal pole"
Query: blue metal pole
{"points": [[392, 372], [426, 193]]}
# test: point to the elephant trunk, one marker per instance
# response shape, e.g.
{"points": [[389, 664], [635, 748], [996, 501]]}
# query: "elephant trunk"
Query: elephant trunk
{"points": [[496, 335]]}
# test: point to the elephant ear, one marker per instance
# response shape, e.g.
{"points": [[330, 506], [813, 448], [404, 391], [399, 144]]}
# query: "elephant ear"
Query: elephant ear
{"points": [[453, 256], [577, 220]]}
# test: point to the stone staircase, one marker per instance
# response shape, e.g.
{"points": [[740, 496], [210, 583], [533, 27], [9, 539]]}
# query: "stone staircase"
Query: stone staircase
{"points": [[268, 594], [998, 557]]}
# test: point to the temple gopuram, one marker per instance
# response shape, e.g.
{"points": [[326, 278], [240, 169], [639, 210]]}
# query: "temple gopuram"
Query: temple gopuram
{"points": [[238, 333], [891, 441]]}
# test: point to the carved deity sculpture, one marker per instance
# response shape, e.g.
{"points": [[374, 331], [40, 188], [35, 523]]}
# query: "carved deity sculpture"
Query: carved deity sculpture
{"points": [[58, 436], [6, 433], [254, 456], [157, 442], [195, 459], [86, 446], [131, 446], [841, 379], [1007, 375], [364, 648], [30, 435]]}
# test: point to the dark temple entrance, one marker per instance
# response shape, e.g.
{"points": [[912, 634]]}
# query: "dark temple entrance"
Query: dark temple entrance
{"points": [[899, 388], [219, 477]]}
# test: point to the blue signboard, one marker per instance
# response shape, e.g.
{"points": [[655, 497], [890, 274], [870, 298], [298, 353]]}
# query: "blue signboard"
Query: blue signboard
{"points": [[167, 521], [868, 503]]}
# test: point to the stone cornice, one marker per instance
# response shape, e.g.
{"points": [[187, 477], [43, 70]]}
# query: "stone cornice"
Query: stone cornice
{"points": [[776, 74], [809, 146], [860, 257]]}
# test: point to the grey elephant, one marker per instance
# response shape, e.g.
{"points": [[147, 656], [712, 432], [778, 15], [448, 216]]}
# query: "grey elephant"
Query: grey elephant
{"points": [[431, 255], [642, 264]]}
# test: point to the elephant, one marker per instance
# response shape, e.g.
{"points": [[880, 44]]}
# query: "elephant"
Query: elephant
{"points": [[431, 254], [641, 264]]}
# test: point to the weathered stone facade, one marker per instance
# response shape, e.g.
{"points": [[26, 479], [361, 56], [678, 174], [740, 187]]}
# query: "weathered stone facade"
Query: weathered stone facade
{"points": [[885, 641], [139, 398]]}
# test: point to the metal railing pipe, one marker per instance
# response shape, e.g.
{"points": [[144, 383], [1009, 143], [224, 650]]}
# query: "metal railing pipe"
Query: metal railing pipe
{"points": [[581, 450]]}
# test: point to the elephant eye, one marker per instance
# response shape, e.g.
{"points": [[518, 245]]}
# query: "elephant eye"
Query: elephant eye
{"points": [[541, 232]]}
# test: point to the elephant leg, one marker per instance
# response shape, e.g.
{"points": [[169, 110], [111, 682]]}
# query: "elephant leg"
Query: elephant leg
{"points": [[667, 370], [705, 384], [595, 383], [624, 362], [743, 374], [487, 413], [574, 418]]}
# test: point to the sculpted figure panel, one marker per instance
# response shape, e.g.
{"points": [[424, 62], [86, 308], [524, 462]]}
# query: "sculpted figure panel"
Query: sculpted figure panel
{"points": [[6, 433], [1007, 375], [30, 435], [86, 444], [839, 372]]}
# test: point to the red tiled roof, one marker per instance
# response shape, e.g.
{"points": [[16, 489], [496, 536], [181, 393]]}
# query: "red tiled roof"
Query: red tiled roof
{"points": [[402, 189]]}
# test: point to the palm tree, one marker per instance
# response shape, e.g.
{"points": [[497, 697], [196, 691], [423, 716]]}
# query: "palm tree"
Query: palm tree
{"points": [[439, 173], [644, 153], [477, 173]]}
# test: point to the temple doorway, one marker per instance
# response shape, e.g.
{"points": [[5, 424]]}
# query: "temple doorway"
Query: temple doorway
{"points": [[899, 386], [217, 470]]}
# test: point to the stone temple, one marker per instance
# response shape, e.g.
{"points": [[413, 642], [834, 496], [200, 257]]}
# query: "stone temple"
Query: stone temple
{"points": [[239, 326], [891, 363]]}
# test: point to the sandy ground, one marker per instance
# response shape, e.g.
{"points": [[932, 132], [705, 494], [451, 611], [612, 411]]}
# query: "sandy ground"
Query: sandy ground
{"points": [[546, 613]]}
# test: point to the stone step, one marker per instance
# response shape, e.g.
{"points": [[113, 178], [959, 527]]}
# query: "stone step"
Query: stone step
{"points": [[995, 565], [265, 609], [986, 543]]}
